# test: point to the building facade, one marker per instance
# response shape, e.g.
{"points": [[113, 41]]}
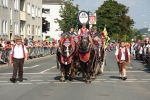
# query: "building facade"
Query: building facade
{"points": [[52, 12], [21, 18]]}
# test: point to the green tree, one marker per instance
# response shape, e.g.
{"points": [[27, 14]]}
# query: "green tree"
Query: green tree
{"points": [[113, 15], [45, 23], [69, 15], [137, 35]]}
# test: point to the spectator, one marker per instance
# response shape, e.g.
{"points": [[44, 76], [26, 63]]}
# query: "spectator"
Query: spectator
{"points": [[1, 49]]}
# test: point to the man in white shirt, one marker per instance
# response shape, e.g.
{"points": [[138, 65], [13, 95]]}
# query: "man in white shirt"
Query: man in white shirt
{"points": [[83, 29], [122, 56], [18, 55]]}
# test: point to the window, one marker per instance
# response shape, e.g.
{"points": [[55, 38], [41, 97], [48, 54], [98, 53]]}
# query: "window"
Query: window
{"points": [[33, 11], [36, 11], [32, 29], [36, 31], [16, 5], [21, 28], [47, 11], [28, 8], [0, 27], [16, 28], [49, 25], [10, 16], [39, 31], [39, 12], [4, 27], [28, 29], [5, 3]]}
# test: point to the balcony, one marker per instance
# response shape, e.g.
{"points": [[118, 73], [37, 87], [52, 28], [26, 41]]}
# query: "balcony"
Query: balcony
{"points": [[22, 16]]}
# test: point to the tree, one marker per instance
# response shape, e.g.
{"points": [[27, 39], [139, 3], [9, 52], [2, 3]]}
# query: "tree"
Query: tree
{"points": [[45, 23], [69, 15], [137, 35], [113, 15]]}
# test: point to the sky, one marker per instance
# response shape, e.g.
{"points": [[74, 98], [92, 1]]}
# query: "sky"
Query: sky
{"points": [[139, 10]]}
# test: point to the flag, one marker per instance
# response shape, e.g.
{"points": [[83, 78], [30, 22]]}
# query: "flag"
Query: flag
{"points": [[106, 37], [105, 32]]}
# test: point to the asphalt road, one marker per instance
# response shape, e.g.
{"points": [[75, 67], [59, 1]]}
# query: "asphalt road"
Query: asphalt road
{"points": [[41, 82]]}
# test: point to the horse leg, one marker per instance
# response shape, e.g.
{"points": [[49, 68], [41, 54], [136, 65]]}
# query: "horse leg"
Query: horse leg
{"points": [[88, 73], [66, 71], [83, 71], [62, 79], [71, 69]]}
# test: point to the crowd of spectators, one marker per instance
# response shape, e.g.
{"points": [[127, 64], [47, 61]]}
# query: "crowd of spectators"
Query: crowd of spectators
{"points": [[37, 48], [140, 50]]}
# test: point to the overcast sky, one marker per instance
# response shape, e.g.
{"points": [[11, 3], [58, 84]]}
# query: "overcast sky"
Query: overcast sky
{"points": [[139, 10]]}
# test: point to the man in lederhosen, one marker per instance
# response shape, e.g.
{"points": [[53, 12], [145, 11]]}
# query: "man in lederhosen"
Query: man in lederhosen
{"points": [[18, 55], [83, 29], [123, 57]]}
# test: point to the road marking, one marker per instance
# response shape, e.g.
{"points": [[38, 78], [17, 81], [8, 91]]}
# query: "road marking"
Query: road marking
{"points": [[60, 82], [43, 83], [100, 79], [24, 83], [130, 67], [146, 79], [53, 80], [36, 80], [111, 81], [7, 84], [45, 70], [77, 82], [132, 79], [143, 81], [95, 81], [127, 81], [135, 75], [3, 81], [54, 67], [32, 66], [5, 77], [37, 76], [114, 79], [147, 75], [127, 71], [50, 76]]}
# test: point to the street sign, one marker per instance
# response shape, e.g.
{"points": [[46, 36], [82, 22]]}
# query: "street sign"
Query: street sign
{"points": [[92, 18], [83, 17]]}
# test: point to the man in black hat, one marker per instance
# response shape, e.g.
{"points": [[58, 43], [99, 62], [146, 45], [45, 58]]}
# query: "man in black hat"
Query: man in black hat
{"points": [[18, 55]]}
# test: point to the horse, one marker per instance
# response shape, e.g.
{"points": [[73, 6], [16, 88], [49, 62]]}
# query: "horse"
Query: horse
{"points": [[86, 56], [65, 57], [99, 55]]}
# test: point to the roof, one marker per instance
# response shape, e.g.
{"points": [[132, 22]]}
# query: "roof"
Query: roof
{"points": [[52, 1]]}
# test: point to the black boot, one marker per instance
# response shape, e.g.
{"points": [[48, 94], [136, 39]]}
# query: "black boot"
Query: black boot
{"points": [[13, 80]]}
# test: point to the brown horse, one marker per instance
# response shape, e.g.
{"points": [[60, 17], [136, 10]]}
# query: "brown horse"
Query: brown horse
{"points": [[65, 57], [86, 56]]}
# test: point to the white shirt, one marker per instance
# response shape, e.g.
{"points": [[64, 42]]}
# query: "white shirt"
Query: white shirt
{"points": [[18, 52], [140, 51], [79, 32], [123, 53], [148, 45]]}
